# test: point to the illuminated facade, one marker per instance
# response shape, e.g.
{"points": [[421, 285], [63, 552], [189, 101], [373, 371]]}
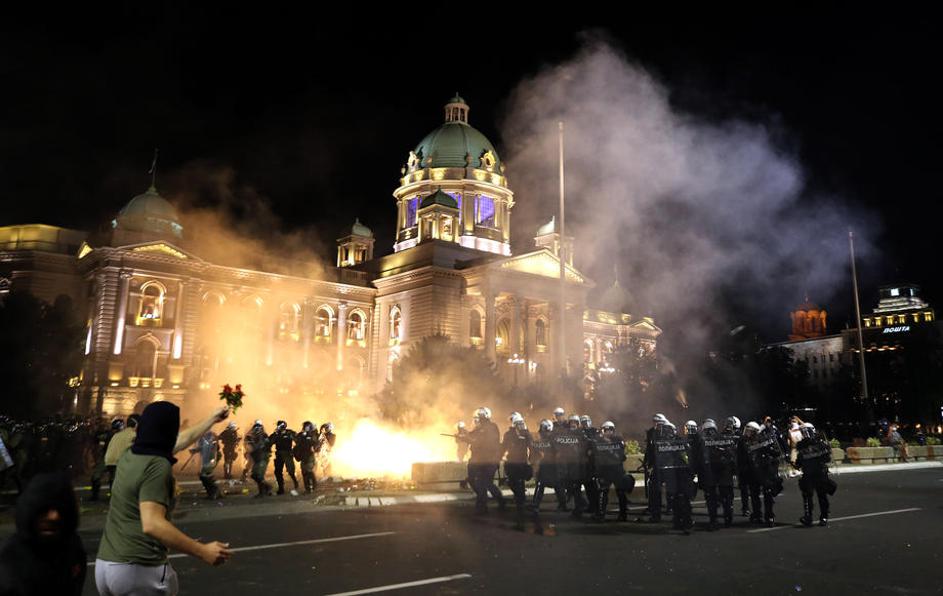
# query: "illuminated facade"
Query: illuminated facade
{"points": [[159, 317]]}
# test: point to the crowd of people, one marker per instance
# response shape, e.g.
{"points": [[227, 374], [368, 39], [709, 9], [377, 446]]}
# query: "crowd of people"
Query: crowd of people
{"points": [[582, 463]]}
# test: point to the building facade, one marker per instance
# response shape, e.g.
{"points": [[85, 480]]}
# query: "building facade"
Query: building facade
{"points": [[162, 323]]}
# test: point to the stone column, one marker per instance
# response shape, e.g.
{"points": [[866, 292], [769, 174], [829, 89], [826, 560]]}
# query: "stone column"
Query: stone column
{"points": [[270, 316], [341, 333], [489, 325], [178, 322], [515, 340], [122, 310], [306, 320]]}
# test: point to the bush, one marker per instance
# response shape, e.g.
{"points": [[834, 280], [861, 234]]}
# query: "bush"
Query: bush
{"points": [[834, 444], [873, 442], [933, 440], [632, 447]]}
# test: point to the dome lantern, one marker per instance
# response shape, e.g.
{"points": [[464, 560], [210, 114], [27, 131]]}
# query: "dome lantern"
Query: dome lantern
{"points": [[456, 110]]}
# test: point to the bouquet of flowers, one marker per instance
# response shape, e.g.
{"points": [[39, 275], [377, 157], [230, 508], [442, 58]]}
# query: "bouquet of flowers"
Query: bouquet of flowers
{"points": [[232, 396]]}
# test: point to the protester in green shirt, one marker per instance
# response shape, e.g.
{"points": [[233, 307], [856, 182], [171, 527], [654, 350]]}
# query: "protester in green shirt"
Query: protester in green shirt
{"points": [[132, 556]]}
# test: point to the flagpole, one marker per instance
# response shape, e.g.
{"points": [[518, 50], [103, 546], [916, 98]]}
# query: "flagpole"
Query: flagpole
{"points": [[854, 281], [564, 362]]}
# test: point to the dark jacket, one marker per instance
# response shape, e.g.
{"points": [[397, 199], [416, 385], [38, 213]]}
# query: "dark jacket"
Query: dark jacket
{"points": [[35, 564]]}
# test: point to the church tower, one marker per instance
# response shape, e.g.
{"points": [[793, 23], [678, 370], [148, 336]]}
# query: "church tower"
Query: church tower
{"points": [[455, 160], [808, 321]]}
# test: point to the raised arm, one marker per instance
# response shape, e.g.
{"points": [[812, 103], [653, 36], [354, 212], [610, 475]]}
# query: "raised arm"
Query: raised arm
{"points": [[187, 436]]}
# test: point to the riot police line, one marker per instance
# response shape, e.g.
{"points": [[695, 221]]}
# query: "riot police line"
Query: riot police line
{"points": [[92, 446], [581, 463]]}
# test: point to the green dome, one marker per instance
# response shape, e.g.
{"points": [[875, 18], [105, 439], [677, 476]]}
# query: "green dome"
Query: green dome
{"points": [[358, 229], [447, 146], [149, 212]]}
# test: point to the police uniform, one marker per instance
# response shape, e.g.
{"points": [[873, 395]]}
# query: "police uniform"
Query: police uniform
{"points": [[259, 451], [485, 445], [812, 457], [230, 440], [607, 454], [541, 459], [764, 456], [283, 439], [306, 445], [569, 453], [516, 447]]}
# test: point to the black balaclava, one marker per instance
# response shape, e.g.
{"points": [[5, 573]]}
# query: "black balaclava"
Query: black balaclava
{"points": [[45, 492], [157, 431]]}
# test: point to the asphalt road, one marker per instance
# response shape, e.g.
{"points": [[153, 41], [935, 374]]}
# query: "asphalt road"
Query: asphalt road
{"points": [[884, 538]]}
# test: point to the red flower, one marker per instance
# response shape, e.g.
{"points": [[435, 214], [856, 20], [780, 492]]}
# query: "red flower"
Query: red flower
{"points": [[227, 389], [238, 388]]}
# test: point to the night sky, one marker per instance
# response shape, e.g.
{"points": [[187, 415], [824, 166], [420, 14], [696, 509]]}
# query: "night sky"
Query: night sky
{"points": [[317, 111]]}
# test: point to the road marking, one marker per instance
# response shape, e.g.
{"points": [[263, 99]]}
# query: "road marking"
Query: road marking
{"points": [[421, 582], [243, 549], [864, 468], [836, 519]]}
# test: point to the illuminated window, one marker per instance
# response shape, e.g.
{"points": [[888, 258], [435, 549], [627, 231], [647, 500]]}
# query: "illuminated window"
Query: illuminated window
{"points": [[152, 304], [356, 326], [588, 351], [867, 322], [411, 206], [323, 323], [289, 319], [502, 339], [474, 324], [916, 316], [895, 292], [541, 331], [484, 211], [396, 325], [928, 316]]}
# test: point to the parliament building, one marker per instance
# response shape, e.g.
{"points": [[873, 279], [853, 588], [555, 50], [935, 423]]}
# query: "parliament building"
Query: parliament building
{"points": [[163, 323]]}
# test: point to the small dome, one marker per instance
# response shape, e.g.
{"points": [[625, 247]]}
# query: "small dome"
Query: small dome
{"points": [[149, 212], [456, 144], [358, 229], [548, 228]]}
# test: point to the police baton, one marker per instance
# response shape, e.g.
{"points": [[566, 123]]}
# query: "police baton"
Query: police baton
{"points": [[184, 466]]}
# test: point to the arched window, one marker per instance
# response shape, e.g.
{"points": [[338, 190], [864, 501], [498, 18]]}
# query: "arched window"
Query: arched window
{"points": [[541, 331], [289, 316], [324, 324], [474, 324], [396, 325], [152, 304], [356, 326], [588, 351], [502, 340], [607, 347]]}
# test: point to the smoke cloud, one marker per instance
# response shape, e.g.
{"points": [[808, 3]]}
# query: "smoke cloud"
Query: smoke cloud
{"points": [[705, 221]]}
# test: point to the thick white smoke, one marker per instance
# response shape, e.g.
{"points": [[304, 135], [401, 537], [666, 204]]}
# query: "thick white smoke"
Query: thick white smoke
{"points": [[691, 212]]}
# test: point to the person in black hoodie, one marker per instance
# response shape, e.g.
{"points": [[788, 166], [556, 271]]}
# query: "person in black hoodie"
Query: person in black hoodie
{"points": [[45, 556]]}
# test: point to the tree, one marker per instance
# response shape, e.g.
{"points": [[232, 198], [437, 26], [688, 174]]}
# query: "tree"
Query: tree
{"points": [[438, 378], [40, 352]]}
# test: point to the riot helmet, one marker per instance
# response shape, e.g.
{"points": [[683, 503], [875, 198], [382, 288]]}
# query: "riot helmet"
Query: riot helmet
{"points": [[608, 427], [281, 425], [559, 414], [574, 422], [307, 426], [117, 424], [546, 425], [732, 424], [460, 425], [709, 425], [517, 421], [807, 430], [751, 429], [586, 421], [690, 427]]}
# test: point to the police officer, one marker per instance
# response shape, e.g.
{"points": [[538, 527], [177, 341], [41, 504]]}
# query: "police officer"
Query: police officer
{"points": [[485, 445], [589, 481], [258, 448], [461, 445], [764, 454], [654, 479], [515, 447], [569, 453], [607, 453], [208, 448], [675, 452], [541, 459], [560, 424], [812, 457], [715, 455], [326, 440], [230, 440], [102, 438], [283, 439], [306, 447], [732, 427]]}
